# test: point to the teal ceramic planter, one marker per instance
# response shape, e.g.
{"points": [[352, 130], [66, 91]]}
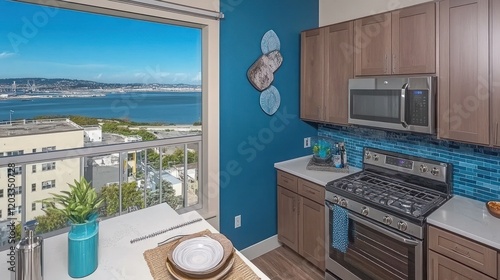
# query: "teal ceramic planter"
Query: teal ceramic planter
{"points": [[83, 248]]}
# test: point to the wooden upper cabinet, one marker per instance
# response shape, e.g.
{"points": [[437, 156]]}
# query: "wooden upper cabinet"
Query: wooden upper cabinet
{"points": [[414, 40], [495, 75], [464, 71], [339, 57], [372, 41], [312, 71]]}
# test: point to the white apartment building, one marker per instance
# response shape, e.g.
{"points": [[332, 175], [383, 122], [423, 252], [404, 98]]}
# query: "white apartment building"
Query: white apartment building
{"points": [[42, 179]]}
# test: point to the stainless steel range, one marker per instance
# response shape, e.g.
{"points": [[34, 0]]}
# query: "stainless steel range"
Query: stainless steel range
{"points": [[386, 204]]}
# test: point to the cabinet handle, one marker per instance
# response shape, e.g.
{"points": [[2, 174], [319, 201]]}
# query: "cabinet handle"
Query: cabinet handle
{"points": [[496, 134], [294, 205], [311, 192], [393, 64], [461, 252], [385, 71], [285, 181]]}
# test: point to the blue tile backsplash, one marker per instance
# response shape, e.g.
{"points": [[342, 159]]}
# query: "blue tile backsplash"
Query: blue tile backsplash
{"points": [[476, 169]]}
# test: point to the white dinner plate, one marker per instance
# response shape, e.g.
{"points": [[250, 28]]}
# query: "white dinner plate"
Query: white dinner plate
{"points": [[197, 255]]}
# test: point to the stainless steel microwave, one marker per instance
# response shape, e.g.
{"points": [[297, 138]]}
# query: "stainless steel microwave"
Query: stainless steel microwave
{"points": [[395, 103]]}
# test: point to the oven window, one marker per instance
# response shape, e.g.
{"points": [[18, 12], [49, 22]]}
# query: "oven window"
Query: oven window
{"points": [[374, 255], [375, 105]]}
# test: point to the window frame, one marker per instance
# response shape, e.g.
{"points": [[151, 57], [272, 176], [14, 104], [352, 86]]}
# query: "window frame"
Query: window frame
{"points": [[210, 29]]}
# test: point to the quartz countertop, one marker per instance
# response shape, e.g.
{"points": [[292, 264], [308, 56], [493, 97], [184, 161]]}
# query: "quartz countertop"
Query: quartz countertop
{"points": [[118, 258], [298, 166], [469, 218]]}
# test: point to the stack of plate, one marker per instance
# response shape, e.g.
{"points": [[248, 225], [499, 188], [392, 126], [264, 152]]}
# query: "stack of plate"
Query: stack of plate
{"points": [[201, 257]]}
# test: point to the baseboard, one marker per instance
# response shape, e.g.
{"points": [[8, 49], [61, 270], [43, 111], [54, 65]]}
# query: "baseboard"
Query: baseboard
{"points": [[259, 249]]}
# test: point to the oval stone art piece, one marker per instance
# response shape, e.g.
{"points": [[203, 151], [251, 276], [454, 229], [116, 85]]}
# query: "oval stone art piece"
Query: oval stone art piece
{"points": [[270, 100]]}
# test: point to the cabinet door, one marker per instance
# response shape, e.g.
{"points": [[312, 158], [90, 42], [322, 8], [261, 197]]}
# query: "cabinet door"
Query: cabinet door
{"points": [[311, 77], [288, 218], [414, 40], [495, 82], [442, 268], [372, 41], [312, 232], [339, 57], [464, 74]]}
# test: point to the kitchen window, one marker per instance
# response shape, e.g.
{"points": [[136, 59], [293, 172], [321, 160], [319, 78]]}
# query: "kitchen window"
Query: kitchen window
{"points": [[33, 168], [201, 165], [33, 206], [33, 187]]}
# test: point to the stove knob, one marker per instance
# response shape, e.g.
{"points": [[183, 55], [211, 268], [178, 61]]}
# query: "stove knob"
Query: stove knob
{"points": [[375, 157], [402, 226], [364, 211], [423, 168], [435, 171], [368, 155], [387, 220], [335, 199], [343, 202]]}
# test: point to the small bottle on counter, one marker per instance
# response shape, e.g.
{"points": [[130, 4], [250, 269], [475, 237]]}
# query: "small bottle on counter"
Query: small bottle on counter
{"points": [[337, 157], [343, 154]]}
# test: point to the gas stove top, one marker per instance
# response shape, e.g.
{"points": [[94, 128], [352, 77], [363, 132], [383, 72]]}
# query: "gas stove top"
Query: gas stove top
{"points": [[397, 190], [398, 196]]}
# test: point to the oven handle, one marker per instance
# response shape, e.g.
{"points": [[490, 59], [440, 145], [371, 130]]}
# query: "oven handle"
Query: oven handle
{"points": [[384, 231], [404, 90]]}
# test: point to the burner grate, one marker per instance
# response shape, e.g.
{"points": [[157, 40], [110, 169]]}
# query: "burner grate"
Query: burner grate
{"points": [[399, 196]]}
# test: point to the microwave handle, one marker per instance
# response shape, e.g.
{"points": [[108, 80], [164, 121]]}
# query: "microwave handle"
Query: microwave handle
{"points": [[404, 90]]}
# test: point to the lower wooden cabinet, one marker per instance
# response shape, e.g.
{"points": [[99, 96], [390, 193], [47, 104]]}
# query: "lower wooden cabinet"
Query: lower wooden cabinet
{"points": [[312, 232], [453, 257], [301, 219], [288, 218], [443, 268]]}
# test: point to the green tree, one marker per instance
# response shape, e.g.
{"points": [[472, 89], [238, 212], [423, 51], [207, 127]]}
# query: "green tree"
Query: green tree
{"points": [[168, 196], [131, 197], [52, 220]]}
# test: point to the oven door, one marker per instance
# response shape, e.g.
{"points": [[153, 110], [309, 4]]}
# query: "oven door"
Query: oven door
{"points": [[374, 252]]}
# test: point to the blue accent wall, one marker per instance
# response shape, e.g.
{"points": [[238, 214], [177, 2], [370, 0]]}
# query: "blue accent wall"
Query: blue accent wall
{"points": [[251, 141], [476, 169]]}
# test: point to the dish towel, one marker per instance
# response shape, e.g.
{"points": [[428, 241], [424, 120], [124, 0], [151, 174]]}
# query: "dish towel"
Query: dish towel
{"points": [[340, 230]]}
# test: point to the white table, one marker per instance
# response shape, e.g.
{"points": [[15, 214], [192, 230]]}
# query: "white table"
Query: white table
{"points": [[118, 258]]}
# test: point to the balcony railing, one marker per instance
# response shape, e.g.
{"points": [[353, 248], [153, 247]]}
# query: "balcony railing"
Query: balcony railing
{"points": [[130, 176]]}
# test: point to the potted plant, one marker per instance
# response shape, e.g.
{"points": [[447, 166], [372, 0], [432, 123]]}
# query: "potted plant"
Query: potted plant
{"points": [[80, 206]]}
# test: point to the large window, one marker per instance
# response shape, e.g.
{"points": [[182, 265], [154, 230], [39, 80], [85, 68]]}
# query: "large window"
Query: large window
{"points": [[87, 81]]}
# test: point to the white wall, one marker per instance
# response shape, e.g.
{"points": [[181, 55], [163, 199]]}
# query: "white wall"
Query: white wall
{"points": [[334, 11]]}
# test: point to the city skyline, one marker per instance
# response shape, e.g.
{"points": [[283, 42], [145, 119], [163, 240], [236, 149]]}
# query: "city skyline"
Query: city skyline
{"points": [[47, 42]]}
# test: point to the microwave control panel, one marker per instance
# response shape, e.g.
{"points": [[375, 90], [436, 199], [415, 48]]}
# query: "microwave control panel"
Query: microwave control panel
{"points": [[417, 113]]}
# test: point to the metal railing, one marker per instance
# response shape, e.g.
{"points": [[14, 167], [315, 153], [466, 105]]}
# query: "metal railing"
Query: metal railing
{"points": [[122, 150]]}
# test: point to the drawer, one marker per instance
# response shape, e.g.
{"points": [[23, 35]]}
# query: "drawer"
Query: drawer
{"points": [[312, 191], [463, 250], [287, 181]]}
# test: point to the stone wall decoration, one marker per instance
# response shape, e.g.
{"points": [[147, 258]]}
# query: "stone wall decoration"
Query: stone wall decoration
{"points": [[261, 73], [270, 100]]}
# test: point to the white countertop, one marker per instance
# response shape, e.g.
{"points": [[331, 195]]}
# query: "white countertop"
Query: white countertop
{"points": [[118, 258], [469, 218], [298, 166]]}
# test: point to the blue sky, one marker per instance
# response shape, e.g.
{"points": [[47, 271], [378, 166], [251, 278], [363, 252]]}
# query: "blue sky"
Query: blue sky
{"points": [[43, 42]]}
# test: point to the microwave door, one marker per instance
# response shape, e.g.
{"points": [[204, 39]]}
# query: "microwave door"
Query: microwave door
{"points": [[404, 92]]}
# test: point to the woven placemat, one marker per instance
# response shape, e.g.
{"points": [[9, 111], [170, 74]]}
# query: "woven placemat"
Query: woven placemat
{"points": [[312, 165], [156, 259]]}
